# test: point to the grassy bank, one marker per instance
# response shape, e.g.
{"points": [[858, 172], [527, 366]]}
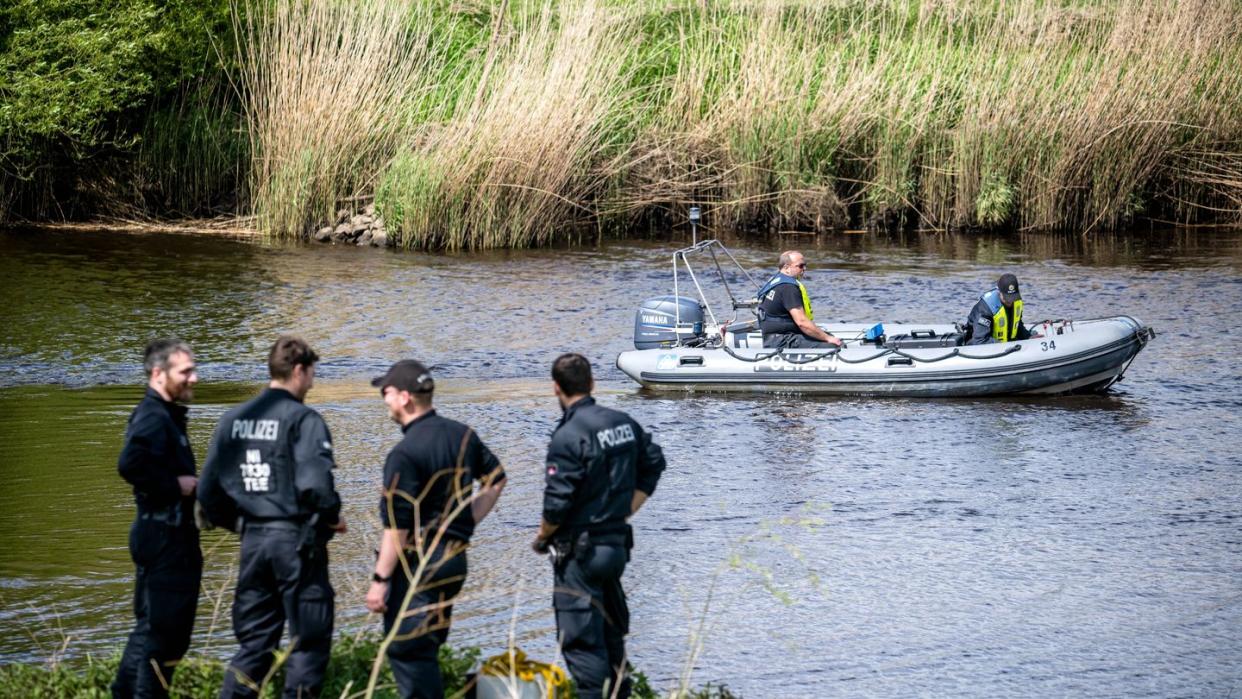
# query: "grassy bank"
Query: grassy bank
{"points": [[199, 678], [523, 122]]}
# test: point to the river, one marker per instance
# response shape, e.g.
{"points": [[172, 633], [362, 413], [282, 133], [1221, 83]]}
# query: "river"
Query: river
{"points": [[796, 547]]}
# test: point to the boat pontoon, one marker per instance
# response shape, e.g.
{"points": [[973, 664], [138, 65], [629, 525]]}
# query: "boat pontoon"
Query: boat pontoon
{"points": [[681, 345]]}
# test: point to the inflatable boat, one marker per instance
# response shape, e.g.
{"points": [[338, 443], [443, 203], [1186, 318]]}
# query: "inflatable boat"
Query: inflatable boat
{"points": [[680, 345]]}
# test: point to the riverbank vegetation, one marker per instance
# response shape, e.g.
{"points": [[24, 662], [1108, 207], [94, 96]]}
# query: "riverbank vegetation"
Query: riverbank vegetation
{"points": [[196, 677], [200, 678], [525, 122]]}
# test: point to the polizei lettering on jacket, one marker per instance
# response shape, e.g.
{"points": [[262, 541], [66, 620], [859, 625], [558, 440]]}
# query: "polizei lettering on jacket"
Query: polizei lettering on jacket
{"points": [[256, 473], [264, 430], [615, 436]]}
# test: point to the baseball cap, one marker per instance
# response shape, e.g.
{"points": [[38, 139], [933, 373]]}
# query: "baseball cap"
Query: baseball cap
{"points": [[406, 375], [1008, 285]]}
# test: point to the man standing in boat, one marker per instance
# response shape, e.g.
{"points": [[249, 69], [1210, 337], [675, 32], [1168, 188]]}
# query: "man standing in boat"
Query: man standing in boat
{"points": [[785, 316], [601, 467], [997, 317]]}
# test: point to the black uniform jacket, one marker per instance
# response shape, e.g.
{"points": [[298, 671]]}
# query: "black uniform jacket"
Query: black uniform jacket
{"points": [[435, 463], [979, 326], [596, 459], [156, 451], [270, 458]]}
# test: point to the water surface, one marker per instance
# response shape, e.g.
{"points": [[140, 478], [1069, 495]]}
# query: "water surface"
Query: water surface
{"points": [[796, 546]]}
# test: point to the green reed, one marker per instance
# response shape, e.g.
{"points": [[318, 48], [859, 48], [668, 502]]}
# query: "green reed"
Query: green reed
{"points": [[191, 155], [509, 124]]}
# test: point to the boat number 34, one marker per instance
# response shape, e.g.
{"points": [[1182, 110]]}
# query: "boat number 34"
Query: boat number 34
{"points": [[1049, 345]]}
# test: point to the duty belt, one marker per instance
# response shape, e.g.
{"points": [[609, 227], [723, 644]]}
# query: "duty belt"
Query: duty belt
{"points": [[170, 515], [304, 527], [603, 529], [287, 524]]}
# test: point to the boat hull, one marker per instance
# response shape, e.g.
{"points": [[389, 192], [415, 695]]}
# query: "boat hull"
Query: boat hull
{"points": [[1086, 356]]}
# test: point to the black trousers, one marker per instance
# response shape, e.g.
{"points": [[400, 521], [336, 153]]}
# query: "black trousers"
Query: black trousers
{"points": [[169, 565], [592, 618], [793, 341], [278, 583], [423, 622]]}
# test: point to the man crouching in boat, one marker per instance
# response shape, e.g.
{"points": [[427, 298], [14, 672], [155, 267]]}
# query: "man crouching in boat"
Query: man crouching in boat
{"points": [[997, 317], [785, 315]]}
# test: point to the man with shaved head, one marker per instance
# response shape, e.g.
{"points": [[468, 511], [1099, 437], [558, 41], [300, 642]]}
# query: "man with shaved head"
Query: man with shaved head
{"points": [[785, 315]]}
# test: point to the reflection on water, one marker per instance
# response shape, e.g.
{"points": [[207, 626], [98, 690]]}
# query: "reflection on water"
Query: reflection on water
{"points": [[856, 546]]}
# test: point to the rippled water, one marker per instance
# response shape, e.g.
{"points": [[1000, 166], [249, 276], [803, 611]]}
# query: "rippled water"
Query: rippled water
{"points": [[851, 547]]}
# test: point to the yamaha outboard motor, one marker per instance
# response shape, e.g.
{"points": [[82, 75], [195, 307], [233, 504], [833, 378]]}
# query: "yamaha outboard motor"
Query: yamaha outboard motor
{"points": [[656, 323]]}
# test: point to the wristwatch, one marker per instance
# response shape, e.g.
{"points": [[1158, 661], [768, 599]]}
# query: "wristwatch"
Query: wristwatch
{"points": [[380, 579]]}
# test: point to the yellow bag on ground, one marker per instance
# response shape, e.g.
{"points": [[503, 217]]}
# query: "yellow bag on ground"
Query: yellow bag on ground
{"points": [[514, 676]]}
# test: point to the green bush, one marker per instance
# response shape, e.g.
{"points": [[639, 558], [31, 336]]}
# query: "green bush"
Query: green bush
{"points": [[78, 79], [347, 675], [200, 678]]}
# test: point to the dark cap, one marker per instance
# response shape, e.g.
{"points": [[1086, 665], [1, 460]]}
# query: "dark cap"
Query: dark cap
{"points": [[1008, 286], [406, 375]]}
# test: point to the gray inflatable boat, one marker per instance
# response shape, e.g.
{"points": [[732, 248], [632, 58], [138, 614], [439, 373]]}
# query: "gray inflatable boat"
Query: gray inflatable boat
{"points": [[679, 345]]}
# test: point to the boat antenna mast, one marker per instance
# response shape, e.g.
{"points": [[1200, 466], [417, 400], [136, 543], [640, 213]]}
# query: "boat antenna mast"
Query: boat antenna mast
{"points": [[681, 257]]}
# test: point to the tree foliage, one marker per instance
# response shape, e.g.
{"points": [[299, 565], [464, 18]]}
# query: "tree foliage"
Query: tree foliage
{"points": [[78, 77]]}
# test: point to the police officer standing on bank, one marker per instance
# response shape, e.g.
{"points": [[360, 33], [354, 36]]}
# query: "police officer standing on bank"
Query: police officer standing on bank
{"points": [[163, 541], [268, 476], [423, 545], [601, 468]]}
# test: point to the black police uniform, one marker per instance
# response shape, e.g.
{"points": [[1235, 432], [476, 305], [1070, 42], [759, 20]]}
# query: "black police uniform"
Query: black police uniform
{"points": [[163, 542], [268, 475], [596, 460], [436, 462]]}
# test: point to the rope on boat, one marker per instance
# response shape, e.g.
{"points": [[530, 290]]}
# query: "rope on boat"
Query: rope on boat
{"points": [[780, 352], [1144, 335], [957, 353]]}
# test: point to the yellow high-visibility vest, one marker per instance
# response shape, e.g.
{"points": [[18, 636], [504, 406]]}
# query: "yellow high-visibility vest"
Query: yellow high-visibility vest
{"points": [[1002, 329], [779, 279]]}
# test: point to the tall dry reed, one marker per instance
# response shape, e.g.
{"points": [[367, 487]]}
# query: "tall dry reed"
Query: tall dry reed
{"points": [[515, 163], [511, 125], [953, 113], [329, 89]]}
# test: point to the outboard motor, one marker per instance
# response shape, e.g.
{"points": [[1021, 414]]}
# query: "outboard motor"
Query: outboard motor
{"points": [[656, 323]]}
